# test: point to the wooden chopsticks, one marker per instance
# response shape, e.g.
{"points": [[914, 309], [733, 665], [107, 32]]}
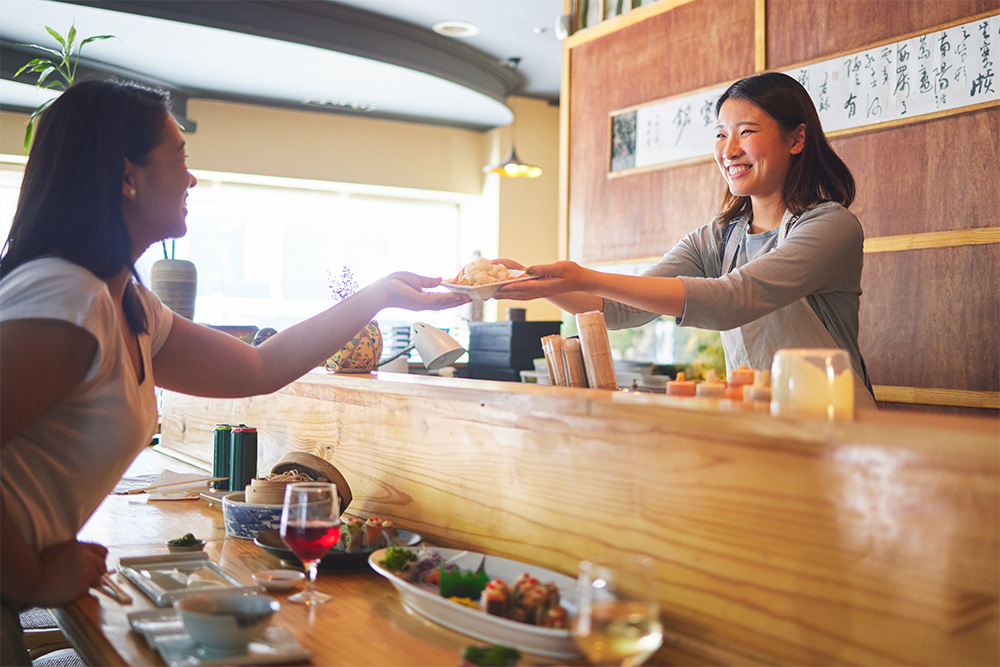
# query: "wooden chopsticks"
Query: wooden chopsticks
{"points": [[163, 486]]}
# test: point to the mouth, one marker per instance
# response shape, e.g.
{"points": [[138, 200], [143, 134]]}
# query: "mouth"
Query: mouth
{"points": [[737, 170]]}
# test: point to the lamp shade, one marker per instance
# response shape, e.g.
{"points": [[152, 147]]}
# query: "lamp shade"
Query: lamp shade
{"points": [[512, 167], [436, 348]]}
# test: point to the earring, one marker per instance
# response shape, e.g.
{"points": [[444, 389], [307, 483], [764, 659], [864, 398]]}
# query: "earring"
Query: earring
{"points": [[131, 192]]}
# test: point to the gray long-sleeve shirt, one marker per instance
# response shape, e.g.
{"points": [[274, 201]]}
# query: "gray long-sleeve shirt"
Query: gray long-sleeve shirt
{"points": [[819, 260]]}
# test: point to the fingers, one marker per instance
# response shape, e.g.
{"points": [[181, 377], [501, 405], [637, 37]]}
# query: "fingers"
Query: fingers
{"points": [[509, 263]]}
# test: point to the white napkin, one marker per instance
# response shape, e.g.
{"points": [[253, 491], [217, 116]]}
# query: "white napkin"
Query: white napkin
{"points": [[190, 491]]}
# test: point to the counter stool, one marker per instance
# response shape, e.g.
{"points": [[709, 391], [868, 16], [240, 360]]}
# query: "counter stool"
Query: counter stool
{"points": [[46, 644]]}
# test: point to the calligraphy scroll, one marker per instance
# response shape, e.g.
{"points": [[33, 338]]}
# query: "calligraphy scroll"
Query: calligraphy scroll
{"points": [[940, 71]]}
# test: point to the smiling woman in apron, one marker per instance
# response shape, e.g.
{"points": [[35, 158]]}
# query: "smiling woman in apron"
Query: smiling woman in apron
{"points": [[779, 267]]}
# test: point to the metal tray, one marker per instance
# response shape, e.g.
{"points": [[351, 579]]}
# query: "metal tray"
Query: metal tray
{"points": [[166, 577]]}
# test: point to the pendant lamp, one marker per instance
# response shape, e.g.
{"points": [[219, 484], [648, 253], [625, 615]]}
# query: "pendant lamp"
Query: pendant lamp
{"points": [[511, 166]]}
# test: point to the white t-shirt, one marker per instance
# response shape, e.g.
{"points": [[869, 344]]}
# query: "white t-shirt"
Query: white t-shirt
{"points": [[58, 469]]}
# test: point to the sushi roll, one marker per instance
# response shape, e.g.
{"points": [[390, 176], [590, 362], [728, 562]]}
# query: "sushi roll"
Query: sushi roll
{"points": [[556, 617], [495, 598], [353, 529], [534, 601], [389, 533], [371, 534]]}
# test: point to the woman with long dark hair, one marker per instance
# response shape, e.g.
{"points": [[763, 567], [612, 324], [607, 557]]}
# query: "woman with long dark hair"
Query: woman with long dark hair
{"points": [[779, 267], [82, 342]]}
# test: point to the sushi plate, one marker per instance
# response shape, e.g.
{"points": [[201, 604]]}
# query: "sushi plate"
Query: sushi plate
{"points": [[335, 559], [486, 292], [427, 602]]}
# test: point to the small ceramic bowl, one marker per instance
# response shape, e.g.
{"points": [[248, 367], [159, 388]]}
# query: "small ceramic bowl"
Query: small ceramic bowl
{"points": [[248, 520], [185, 548], [279, 580], [226, 620]]}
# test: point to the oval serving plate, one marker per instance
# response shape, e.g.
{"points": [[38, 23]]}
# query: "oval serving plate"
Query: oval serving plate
{"points": [[271, 542], [426, 601], [486, 292]]}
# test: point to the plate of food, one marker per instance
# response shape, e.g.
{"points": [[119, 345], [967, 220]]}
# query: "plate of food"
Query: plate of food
{"points": [[493, 599], [481, 279], [358, 539]]}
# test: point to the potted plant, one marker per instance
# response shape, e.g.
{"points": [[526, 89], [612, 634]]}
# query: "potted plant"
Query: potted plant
{"points": [[361, 354], [175, 282]]}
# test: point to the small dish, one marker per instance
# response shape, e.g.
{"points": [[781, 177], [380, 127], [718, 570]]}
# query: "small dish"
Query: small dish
{"points": [[487, 291], [279, 580], [198, 545]]}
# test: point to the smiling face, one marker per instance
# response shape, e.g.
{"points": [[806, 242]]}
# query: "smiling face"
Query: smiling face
{"points": [[752, 151], [154, 194]]}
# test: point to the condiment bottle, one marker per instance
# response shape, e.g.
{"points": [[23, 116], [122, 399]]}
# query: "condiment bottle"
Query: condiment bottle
{"points": [[680, 386], [760, 390], [739, 377], [712, 387]]}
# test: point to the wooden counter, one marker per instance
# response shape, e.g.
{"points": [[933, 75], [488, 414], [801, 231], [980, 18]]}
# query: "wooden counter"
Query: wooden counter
{"points": [[869, 542], [365, 624]]}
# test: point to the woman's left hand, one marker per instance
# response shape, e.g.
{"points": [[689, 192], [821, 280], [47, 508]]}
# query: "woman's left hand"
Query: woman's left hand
{"points": [[405, 290]]}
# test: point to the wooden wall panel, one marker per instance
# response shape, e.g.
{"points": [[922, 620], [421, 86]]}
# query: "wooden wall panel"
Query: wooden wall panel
{"points": [[667, 54], [929, 318], [926, 177], [795, 36]]}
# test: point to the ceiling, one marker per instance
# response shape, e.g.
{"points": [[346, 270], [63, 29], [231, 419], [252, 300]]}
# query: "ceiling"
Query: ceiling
{"points": [[376, 58]]}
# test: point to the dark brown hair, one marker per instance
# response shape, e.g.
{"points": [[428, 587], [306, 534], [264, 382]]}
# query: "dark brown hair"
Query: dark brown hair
{"points": [[815, 175], [71, 193]]}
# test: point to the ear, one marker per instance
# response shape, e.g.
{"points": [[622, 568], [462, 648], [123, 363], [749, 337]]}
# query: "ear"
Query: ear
{"points": [[128, 180], [798, 139]]}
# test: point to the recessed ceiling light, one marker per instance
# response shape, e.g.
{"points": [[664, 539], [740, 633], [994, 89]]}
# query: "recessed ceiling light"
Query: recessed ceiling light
{"points": [[456, 29]]}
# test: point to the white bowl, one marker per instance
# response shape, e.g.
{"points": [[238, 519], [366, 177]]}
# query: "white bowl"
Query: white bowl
{"points": [[248, 520], [226, 620], [279, 580]]}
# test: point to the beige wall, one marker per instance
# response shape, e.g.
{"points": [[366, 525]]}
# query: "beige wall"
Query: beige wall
{"points": [[260, 140]]}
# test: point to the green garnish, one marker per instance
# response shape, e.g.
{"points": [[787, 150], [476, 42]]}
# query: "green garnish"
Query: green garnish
{"points": [[188, 540], [491, 655], [463, 583], [396, 558]]}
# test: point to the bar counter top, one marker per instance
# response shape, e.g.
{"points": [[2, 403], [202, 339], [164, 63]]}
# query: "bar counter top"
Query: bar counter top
{"points": [[776, 540]]}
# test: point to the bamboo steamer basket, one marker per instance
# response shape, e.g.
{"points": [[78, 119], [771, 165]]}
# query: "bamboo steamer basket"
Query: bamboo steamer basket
{"points": [[273, 493]]}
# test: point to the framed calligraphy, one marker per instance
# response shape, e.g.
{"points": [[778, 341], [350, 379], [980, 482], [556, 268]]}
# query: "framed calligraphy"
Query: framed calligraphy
{"points": [[939, 72]]}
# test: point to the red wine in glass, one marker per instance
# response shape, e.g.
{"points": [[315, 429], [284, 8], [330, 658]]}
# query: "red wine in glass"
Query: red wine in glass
{"points": [[310, 526], [311, 540]]}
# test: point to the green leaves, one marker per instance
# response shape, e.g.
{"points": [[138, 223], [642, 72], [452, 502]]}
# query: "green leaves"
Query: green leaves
{"points": [[60, 66]]}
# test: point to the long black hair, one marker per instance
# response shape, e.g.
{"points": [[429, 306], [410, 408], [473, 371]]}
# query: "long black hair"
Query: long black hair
{"points": [[71, 194], [816, 174]]}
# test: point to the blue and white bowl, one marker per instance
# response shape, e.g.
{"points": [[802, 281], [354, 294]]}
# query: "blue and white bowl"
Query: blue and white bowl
{"points": [[248, 520]]}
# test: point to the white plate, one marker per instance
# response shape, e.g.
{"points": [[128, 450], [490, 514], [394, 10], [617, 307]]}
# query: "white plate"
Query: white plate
{"points": [[426, 601], [164, 631], [485, 292]]}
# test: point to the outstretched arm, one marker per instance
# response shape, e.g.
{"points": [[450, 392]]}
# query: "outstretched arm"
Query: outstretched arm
{"points": [[584, 289], [201, 361]]}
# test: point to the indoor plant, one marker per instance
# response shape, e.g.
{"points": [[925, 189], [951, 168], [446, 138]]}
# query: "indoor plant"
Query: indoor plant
{"points": [[55, 71]]}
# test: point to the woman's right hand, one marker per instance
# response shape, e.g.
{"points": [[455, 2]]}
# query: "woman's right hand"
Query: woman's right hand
{"points": [[405, 290], [68, 571]]}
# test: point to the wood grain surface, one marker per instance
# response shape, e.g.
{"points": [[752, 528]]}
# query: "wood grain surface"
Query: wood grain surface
{"points": [[869, 542]]}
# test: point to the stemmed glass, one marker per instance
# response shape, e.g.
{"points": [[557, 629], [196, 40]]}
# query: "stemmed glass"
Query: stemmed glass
{"points": [[618, 616], [310, 526]]}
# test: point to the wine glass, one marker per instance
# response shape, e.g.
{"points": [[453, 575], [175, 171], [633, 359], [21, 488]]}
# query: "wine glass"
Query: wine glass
{"points": [[310, 526], [617, 620]]}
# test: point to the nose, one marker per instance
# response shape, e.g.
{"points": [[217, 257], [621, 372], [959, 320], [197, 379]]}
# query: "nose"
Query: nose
{"points": [[194, 181], [731, 147]]}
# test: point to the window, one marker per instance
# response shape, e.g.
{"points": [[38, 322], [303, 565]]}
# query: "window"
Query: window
{"points": [[266, 248]]}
